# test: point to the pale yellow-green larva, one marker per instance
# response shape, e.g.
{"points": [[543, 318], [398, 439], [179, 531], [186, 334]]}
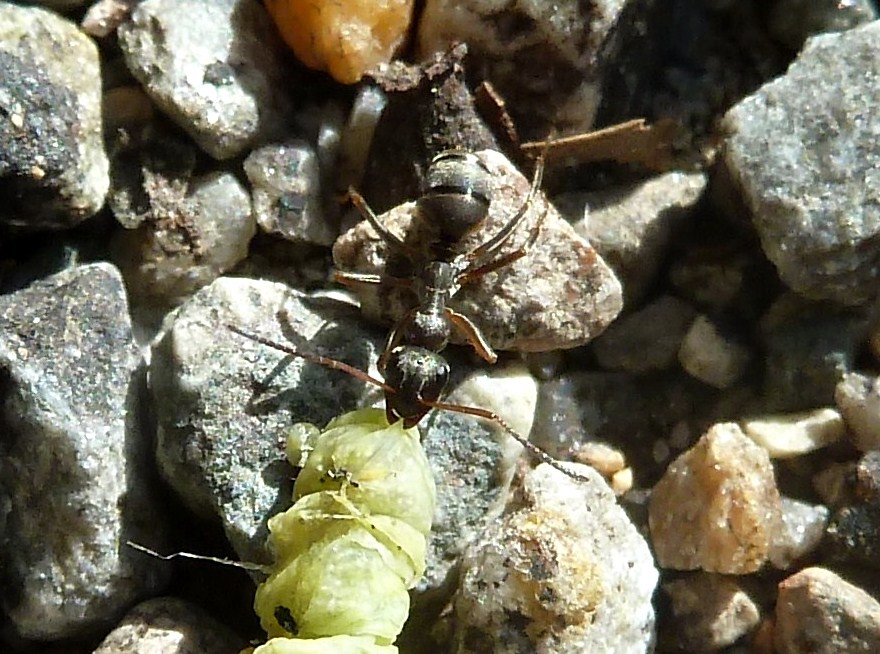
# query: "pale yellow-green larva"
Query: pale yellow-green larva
{"points": [[353, 542]]}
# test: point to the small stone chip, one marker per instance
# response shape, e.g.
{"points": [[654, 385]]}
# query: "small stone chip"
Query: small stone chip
{"points": [[790, 435], [707, 355]]}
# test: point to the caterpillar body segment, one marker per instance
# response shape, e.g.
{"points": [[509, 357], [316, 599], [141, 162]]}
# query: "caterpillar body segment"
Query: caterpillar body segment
{"points": [[353, 542]]}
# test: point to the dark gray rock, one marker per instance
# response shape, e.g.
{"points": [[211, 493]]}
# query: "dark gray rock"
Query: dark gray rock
{"points": [[647, 339], [726, 278], [75, 464], [808, 165], [807, 350], [53, 168], [214, 66], [853, 535]]}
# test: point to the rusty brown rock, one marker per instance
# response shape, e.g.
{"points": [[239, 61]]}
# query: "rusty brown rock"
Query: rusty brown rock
{"points": [[817, 612], [561, 295], [710, 612], [717, 507]]}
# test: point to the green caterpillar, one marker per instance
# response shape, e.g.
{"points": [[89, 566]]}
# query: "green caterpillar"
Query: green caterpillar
{"points": [[354, 541]]}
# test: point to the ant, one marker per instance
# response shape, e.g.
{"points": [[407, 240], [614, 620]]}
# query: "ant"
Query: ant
{"points": [[455, 199]]}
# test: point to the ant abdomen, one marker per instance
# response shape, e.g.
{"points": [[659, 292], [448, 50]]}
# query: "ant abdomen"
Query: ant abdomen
{"points": [[456, 194]]}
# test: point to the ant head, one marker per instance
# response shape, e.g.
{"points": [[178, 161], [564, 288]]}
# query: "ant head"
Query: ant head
{"points": [[418, 376], [456, 194]]}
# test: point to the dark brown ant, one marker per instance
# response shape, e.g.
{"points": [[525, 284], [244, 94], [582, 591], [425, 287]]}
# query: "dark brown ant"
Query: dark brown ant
{"points": [[456, 198], [455, 201]]}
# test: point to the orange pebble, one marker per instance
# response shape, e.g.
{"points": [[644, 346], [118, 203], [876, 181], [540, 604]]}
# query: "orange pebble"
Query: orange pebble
{"points": [[345, 38]]}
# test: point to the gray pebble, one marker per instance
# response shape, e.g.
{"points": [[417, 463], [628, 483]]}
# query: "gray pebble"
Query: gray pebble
{"points": [[171, 626], [803, 528], [75, 462], [710, 355], [224, 402], [286, 183], [214, 66], [809, 166], [633, 227], [53, 168], [195, 232], [858, 398], [563, 570]]}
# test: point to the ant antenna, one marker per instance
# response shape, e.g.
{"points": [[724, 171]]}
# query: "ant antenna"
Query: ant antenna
{"points": [[314, 358], [530, 447], [250, 567]]}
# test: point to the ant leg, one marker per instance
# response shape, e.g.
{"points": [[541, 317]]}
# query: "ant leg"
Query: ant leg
{"points": [[393, 340], [533, 449], [470, 274], [357, 373], [392, 239], [491, 246], [351, 278], [473, 335]]}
